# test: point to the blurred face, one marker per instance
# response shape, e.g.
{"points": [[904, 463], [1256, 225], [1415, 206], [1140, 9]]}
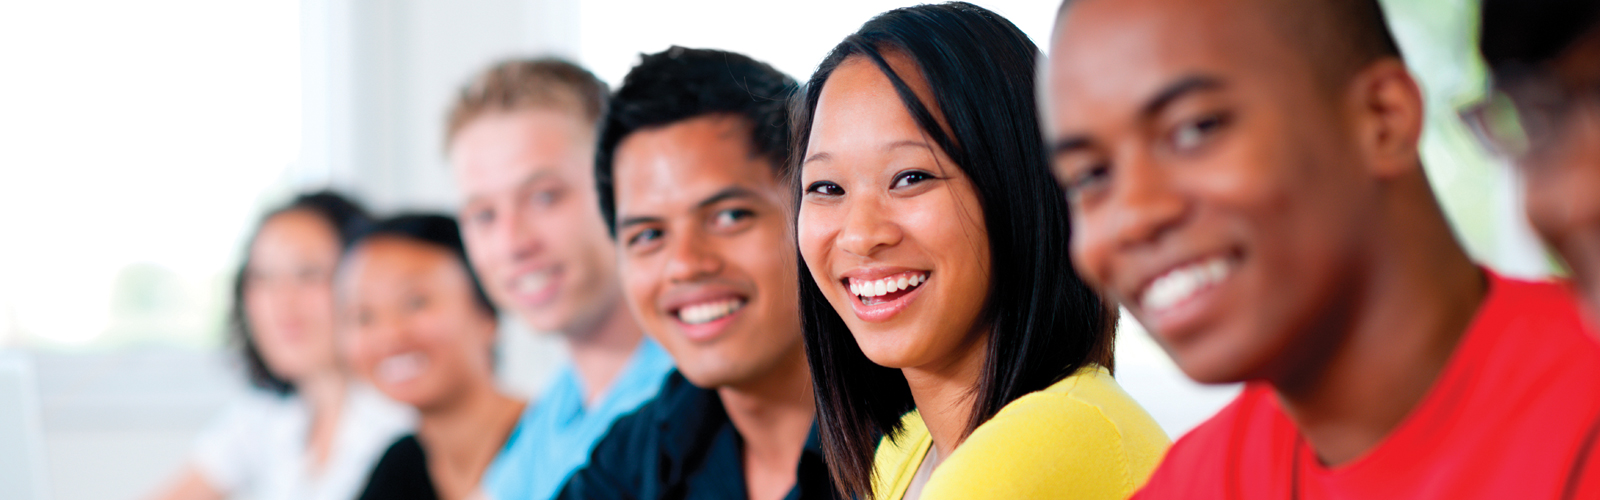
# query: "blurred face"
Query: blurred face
{"points": [[889, 226], [415, 331], [1562, 173], [704, 237], [531, 221], [1215, 192], [288, 294]]}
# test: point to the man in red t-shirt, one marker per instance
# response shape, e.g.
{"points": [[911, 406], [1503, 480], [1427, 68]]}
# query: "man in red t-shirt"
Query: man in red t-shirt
{"points": [[1244, 177]]}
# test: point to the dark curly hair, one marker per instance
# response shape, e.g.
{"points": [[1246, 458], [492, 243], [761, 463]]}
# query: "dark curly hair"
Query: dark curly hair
{"points": [[346, 218], [678, 84]]}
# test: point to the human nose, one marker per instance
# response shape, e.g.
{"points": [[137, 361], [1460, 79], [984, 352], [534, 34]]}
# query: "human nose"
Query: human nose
{"points": [[867, 228], [1145, 206], [690, 260]]}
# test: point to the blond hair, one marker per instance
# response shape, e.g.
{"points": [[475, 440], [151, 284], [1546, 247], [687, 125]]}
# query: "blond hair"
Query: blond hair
{"points": [[520, 84]]}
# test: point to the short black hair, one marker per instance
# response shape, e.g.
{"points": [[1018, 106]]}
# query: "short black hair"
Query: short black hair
{"points": [[1340, 37], [346, 218], [680, 83], [438, 231], [1523, 33], [1045, 322]]}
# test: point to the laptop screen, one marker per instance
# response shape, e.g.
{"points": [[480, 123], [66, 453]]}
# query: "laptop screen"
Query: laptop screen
{"points": [[22, 474]]}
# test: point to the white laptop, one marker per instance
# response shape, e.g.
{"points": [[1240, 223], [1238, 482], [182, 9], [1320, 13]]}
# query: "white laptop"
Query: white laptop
{"points": [[22, 474]]}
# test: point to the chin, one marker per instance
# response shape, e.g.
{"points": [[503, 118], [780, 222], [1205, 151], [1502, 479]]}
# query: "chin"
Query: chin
{"points": [[716, 373], [888, 357], [1214, 367]]}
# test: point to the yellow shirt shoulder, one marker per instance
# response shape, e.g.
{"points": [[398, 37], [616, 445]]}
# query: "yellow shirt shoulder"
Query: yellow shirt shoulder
{"points": [[1082, 437]]}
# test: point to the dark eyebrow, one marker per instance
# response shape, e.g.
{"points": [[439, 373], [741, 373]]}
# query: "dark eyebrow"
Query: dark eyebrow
{"points": [[634, 221], [1184, 86], [727, 193], [908, 144], [1068, 145]]}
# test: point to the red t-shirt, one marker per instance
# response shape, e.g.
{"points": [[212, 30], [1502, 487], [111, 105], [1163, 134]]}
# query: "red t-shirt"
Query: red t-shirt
{"points": [[1514, 415]]}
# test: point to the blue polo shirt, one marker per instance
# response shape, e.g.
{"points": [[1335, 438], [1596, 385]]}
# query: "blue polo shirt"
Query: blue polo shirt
{"points": [[555, 436]]}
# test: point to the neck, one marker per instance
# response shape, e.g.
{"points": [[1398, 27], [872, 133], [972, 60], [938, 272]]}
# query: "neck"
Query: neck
{"points": [[1384, 343], [945, 393], [601, 351], [773, 416], [323, 393], [463, 435]]}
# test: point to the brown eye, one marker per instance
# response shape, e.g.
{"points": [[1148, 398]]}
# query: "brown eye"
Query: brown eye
{"points": [[909, 179], [644, 237], [727, 218], [1087, 180], [1193, 134], [824, 188]]}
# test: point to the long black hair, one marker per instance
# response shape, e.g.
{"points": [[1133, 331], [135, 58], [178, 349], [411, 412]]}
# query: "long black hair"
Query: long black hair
{"points": [[1045, 322], [346, 218]]}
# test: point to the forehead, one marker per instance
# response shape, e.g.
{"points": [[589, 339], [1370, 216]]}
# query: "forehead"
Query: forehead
{"points": [[685, 161], [1117, 51], [384, 260], [296, 228], [501, 150], [859, 94]]}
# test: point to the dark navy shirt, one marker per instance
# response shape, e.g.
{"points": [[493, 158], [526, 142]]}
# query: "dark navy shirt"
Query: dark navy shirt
{"points": [[681, 445]]}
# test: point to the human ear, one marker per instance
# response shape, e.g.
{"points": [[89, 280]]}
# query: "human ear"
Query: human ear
{"points": [[1387, 108]]}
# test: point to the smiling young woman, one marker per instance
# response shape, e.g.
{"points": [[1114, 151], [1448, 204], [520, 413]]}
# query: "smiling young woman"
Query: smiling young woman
{"points": [[940, 308], [420, 327]]}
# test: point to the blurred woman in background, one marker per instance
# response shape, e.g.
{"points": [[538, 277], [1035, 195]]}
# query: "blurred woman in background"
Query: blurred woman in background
{"points": [[421, 329], [309, 431], [941, 312]]}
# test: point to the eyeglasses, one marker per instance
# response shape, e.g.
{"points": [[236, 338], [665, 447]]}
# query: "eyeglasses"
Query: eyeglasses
{"points": [[1528, 115]]}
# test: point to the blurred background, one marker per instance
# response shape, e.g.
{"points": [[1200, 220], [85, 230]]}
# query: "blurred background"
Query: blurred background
{"points": [[139, 142]]}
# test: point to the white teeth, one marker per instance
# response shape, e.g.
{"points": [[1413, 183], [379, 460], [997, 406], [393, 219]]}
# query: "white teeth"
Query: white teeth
{"points": [[532, 282], [709, 311], [885, 286], [400, 368], [1179, 284]]}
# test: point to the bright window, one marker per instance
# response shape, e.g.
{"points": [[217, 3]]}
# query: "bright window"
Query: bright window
{"points": [[135, 141]]}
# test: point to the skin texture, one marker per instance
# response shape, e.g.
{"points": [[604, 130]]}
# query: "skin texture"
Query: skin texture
{"points": [[1191, 131], [699, 218], [1562, 181], [530, 208], [880, 198], [405, 298]]}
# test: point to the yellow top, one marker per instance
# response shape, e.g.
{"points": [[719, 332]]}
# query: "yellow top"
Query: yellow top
{"points": [[1080, 438]]}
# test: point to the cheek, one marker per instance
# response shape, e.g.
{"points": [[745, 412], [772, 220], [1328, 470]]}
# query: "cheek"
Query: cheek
{"points": [[641, 277], [1089, 250], [767, 255], [359, 352], [816, 228], [317, 304]]}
